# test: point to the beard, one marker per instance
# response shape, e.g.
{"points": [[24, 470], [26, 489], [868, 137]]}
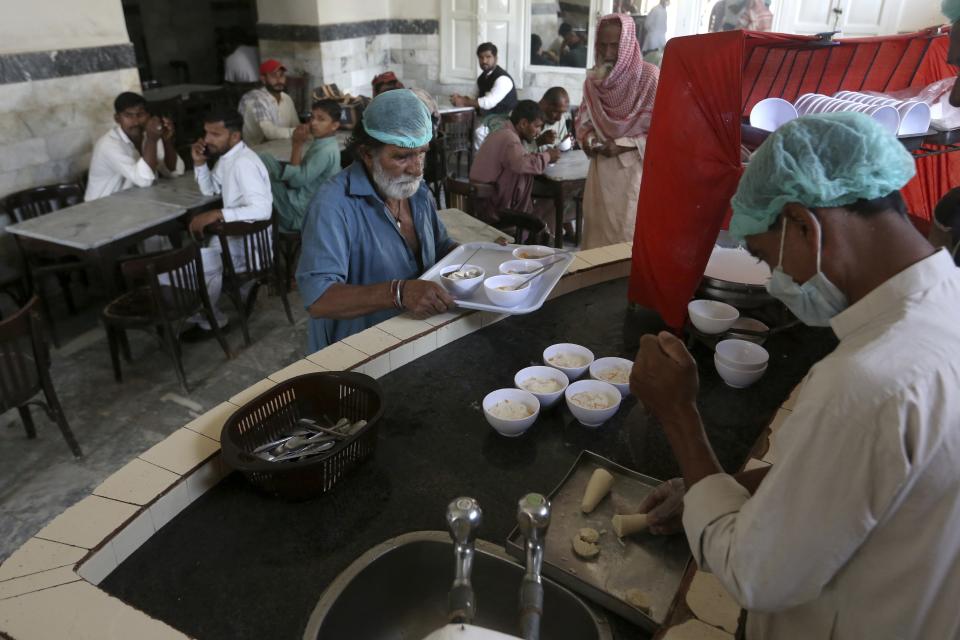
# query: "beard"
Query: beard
{"points": [[394, 188], [601, 70]]}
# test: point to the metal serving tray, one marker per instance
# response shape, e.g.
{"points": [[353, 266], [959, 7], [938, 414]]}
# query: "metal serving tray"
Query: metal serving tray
{"points": [[489, 257], [654, 564]]}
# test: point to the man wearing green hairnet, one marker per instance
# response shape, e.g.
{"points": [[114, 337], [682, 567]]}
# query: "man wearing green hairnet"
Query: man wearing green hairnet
{"points": [[854, 532], [373, 229]]}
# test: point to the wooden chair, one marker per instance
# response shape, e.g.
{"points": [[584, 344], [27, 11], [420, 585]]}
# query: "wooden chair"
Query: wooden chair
{"points": [[257, 243], [457, 136], [32, 203], [164, 290], [288, 246], [473, 199], [25, 372]]}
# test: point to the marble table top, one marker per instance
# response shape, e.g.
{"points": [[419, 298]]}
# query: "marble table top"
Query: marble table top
{"points": [[177, 90], [280, 149], [464, 228], [181, 191], [572, 165], [90, 225], [444, 106]]}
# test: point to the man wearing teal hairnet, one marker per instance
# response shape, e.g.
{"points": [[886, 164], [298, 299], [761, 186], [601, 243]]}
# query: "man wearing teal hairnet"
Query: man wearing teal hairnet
{"points": [[854, 531], [371, 231], [951, 9]]}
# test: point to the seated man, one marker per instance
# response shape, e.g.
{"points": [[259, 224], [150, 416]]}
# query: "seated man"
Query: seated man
{"points": [[268, 112], [945, 230], [575, 48], [240, 177], [132, 153], [497, 94], [538, 55], [386, 81], [294, 184], [504, 162], [373, 229], [854, 532], [555, 105]]}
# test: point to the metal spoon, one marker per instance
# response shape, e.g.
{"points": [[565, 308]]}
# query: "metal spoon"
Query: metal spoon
{"points": [[535, 274], [465, 262]]}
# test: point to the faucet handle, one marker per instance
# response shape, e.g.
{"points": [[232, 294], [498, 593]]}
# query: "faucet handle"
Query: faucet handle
{"points": [[533, 515], [463, 518]]}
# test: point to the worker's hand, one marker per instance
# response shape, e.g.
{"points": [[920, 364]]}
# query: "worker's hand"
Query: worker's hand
{"points": [[547, 137], [196, 152], [153, 129], [202, 220], [554, 154], [610, 149], [664, 377], [423, 298], [169, 130], [664, 507], [301, 135]]}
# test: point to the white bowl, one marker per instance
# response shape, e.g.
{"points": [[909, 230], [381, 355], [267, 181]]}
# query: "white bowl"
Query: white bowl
{"points": [[548, 399], [886, 116], [461, 287], [742, 355], [770, 113], [592, 417], [511, 428], [509, 298], [571, 349], [914, 118], [735, 377], [533, 252], [566, 144], [519, 267], [711, 316], [749, 324], [601, 365]]}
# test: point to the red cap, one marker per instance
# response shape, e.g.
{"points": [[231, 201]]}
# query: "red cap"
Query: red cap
{"points": [[385, 77], [270, 65]]}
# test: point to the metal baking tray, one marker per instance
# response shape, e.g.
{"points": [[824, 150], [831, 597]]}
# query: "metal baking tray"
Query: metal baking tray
{"points": [[489, 257], [653, 564]]}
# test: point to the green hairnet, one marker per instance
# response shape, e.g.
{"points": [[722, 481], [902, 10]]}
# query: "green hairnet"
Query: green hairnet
{"points": [[398, 117], [951, 9], [822, 160]]}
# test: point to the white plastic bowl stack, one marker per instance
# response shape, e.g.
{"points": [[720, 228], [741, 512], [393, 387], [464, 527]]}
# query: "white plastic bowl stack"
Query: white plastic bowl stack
{"points": [[914, 115], [886, 115], [711, 316], [740, 363], [770, 113], [511, 428], [547, 400]]}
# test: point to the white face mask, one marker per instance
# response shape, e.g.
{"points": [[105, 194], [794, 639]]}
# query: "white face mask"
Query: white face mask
{"points": [[814, 302]]}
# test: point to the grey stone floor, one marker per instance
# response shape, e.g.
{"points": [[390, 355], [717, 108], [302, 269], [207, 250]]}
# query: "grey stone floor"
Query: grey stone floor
{"points": [[115, 422]]}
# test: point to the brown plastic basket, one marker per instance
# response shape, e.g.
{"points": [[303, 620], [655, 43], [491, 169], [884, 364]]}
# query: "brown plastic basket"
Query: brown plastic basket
{"points": [[333, 394]]}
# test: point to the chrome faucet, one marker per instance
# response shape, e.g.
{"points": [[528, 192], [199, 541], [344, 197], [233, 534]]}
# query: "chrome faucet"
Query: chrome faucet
{"points": [[463, 518], [533, 518]]}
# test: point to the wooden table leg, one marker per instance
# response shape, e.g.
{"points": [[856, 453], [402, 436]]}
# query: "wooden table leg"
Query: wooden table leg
{"points": [[558, 203]]}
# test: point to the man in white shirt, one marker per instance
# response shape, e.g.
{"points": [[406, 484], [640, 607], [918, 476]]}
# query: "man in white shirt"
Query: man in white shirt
{"points": [[655, 28], [497, 94], [132, 153], [242, 179], [555, 105], [854, 532], [268, 112]]}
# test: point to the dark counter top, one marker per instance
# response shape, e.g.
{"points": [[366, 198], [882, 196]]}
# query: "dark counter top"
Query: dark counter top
{"points": [[238, 564]]}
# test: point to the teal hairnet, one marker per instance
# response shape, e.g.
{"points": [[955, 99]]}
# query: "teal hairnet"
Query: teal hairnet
{"points": [[951, 9], [822, 160], [398, 117]]}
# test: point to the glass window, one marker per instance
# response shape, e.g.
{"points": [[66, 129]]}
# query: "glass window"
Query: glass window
{"points": [[560, 32]]}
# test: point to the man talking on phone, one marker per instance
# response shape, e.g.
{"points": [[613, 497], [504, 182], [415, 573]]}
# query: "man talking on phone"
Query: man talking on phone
{"points": [[242, 179]]}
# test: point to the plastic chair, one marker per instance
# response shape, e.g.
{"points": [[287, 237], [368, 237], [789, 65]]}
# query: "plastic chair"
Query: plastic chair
{"points": [[160, 303], [256, 244], [32, 203], [474, 200], [25, 372]]}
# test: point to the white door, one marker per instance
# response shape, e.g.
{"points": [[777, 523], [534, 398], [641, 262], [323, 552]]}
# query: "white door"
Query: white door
{"points": [[501, 22], [853, 18], [869, 17], [458, 40]]}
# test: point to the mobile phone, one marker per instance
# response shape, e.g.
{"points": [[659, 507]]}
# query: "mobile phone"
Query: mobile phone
{"points": [[206, 151]]}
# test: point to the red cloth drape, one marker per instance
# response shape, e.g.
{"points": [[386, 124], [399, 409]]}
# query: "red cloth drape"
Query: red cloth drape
{"points": [[692, 161]]}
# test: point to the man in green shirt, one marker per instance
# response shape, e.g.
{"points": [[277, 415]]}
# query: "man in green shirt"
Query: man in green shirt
{"points": [[294, 184]]}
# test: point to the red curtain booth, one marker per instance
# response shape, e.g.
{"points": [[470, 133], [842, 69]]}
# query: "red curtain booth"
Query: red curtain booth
{"points": [[692, 166]]}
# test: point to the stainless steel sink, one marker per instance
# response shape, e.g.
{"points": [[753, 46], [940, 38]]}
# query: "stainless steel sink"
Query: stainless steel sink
{"points": [[398, 591]]}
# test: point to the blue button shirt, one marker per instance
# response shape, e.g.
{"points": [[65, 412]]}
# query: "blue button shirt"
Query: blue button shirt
{"points": [[350, 237]]}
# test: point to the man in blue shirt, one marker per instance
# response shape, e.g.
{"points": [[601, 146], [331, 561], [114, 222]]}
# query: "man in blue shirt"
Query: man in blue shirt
{"points": [[373, 229]]}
